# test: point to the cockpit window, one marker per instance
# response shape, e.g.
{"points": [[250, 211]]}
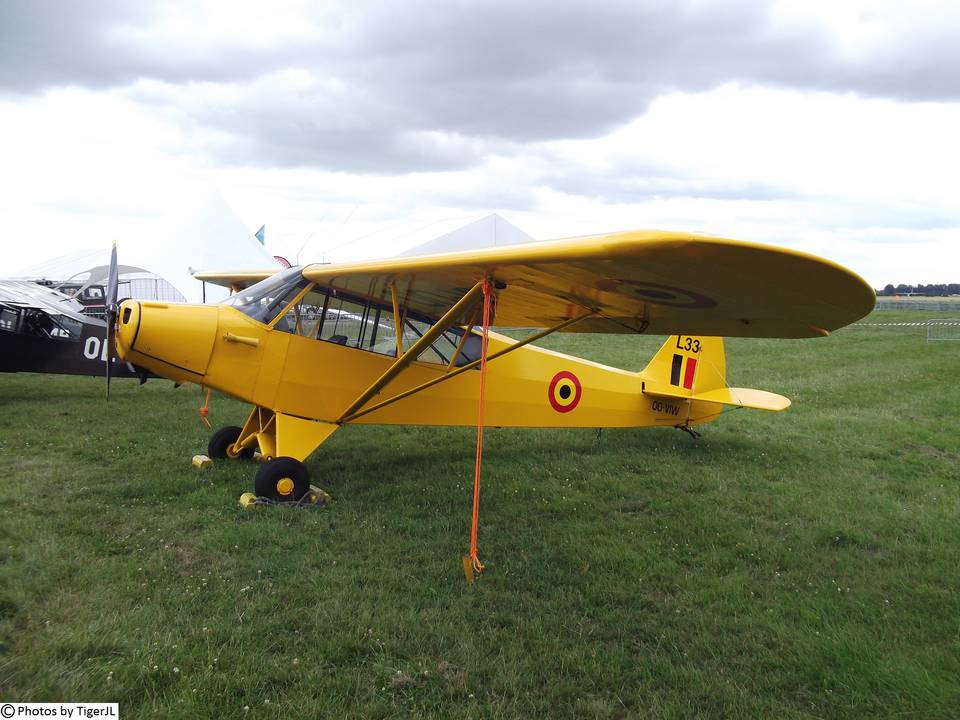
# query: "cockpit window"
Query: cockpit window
{"points": [[323, 314], [268, 298], [40, 323]]}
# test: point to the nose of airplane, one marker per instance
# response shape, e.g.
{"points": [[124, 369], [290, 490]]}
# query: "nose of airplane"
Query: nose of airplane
{"points": [[170, 339], [128, 322]]}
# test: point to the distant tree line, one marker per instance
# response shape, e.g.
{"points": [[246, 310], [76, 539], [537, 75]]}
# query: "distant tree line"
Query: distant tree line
{"points": [[931, 290]]}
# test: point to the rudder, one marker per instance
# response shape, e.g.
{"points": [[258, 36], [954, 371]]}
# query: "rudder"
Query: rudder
{"points": [[687, 365]]}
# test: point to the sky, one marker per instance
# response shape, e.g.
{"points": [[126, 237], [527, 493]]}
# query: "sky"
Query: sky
{"points": [[352, 128]]}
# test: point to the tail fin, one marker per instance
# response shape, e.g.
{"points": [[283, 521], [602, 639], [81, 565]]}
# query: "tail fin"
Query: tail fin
{"points": [[694, 368], [687, 365]]}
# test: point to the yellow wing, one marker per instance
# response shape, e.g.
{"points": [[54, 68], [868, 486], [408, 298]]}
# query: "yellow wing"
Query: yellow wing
{"points": [[644, 281], [236, 280]]}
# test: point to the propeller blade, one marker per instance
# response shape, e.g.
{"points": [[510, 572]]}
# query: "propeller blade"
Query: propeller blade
{"points": [[110, 340], [112, 279], [113, 283]]}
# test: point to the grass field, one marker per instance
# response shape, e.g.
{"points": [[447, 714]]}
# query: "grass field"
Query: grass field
{"points": [[795, 565]]}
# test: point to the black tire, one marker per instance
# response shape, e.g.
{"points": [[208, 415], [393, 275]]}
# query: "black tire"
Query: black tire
{"points": [[224, 438], [271, 481]]}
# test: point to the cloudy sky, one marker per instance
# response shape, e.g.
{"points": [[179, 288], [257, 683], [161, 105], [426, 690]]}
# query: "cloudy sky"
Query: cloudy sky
{"points": [[351, 127]]}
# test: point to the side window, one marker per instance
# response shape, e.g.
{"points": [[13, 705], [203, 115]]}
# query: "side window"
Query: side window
{"points": [[438, 353], [471, 347], [8, 319], [381, 334], [305, 317], [344, 322], [321, 315]]}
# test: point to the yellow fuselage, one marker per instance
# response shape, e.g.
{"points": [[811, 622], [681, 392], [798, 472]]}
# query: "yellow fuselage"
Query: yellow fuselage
{"points": [[222, 348]]}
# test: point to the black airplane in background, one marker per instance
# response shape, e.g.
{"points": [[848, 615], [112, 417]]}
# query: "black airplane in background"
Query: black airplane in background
{"points": [[43, 330]]}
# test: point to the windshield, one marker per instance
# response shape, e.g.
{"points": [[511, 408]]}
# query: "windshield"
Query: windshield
{"points": [[267, 299]]}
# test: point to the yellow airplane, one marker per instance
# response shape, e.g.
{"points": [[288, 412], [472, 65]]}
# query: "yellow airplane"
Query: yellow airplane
{"points": [[400, 341]]}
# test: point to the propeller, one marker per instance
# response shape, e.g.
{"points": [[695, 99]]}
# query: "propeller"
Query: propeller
{"points": [[111, 311]]}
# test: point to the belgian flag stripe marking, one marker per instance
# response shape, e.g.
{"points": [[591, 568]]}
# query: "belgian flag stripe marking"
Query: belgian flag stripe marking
{"points": [[675, 369], [688, 375]]}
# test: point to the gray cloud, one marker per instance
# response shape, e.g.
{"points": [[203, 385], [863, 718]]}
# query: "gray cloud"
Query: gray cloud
{"points": [[440, 85], [105, 43], [44, 44]]}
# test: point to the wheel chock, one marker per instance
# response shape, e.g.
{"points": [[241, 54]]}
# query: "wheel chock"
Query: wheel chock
{"points": [[202, 462], [313, 497], [317, 496], [468, 573]]}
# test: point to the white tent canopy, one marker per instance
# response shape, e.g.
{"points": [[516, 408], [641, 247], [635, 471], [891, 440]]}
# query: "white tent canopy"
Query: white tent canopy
{"points": [[489, 231], [202, 235], [205, 235]]}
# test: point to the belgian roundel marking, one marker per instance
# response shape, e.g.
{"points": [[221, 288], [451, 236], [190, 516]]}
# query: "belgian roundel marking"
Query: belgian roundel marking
{"points": [[668, 295], [564, 391]]}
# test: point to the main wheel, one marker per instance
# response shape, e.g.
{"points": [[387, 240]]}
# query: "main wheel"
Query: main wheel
{"points": [[282, 479], [222, 439]]}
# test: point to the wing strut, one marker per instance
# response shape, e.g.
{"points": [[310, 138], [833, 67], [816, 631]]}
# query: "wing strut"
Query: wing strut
{"points": [[397, 319]]}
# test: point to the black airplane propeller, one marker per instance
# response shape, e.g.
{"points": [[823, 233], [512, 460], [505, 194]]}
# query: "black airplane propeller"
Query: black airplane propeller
{"points": [[111, 312]]}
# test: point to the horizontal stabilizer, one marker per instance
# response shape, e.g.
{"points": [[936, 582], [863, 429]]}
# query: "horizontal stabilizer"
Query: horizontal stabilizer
{"points": [[738, 397]]}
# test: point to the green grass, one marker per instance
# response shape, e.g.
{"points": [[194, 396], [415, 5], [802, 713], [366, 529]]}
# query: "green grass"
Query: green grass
{"points": [[795, 565]]}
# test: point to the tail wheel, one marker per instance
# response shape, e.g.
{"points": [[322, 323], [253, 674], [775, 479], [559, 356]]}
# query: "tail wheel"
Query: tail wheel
{"points": [[222, 440], [282, 479]]}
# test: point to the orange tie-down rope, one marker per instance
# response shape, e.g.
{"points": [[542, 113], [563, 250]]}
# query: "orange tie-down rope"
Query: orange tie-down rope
{"points": [[205, 408], [471, 563]]}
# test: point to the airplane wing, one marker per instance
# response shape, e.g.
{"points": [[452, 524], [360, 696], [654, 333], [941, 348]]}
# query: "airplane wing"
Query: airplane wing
{"points": [[642, 281], [237, 280], [26, 294]]}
